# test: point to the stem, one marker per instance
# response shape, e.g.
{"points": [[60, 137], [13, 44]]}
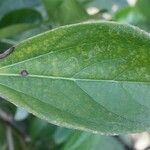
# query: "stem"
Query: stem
{"points": [[8, 120], [9, 137]]}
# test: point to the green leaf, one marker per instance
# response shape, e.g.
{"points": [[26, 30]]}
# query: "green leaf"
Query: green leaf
{"points": [[13, 30], [81, 141], [127, 15], [39, 129], [41, 133], [9, 5], [62, 134], [92, 76], [52, 6], [31, 32], [4, 46], [132, 15], [65, 12], [143, 6], [71, 12], [7, 106], [15, 17]]}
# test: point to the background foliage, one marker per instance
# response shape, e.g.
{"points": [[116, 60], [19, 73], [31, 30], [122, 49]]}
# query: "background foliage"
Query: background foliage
{"points": [[21, 19]]}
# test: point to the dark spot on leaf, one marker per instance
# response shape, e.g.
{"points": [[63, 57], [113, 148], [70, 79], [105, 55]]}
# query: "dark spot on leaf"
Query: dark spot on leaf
{"points": [[24, 73], [7, 52]]}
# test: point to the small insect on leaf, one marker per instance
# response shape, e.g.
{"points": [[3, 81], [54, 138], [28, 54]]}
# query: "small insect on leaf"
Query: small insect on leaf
{"points": [[7, 52], [24, 73]]}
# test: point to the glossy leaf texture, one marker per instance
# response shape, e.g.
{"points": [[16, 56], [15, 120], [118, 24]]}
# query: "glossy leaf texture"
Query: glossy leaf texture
{"points": [[91, 76]]}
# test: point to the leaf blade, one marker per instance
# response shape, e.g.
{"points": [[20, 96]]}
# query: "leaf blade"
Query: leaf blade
{"points": [[74, 63]]}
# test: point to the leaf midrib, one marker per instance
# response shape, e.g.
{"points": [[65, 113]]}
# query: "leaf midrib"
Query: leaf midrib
{"points": [[75, 79]]}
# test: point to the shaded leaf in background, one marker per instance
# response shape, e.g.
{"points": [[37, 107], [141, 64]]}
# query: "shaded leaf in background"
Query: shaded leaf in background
{"points": [[71, 12], [127, 15], [30, 32], [132, 15], [13, 30], [39, 129], [52, 7], [144, 7], [7, 107], [62, 135], [4, 46], [40, 133], [64, 11], [83, 76], [13, 24], [19, 16], [10, 5], [83, 141]]}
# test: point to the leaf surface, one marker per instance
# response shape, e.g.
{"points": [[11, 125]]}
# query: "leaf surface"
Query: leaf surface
{"points": [[91, 76]]}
